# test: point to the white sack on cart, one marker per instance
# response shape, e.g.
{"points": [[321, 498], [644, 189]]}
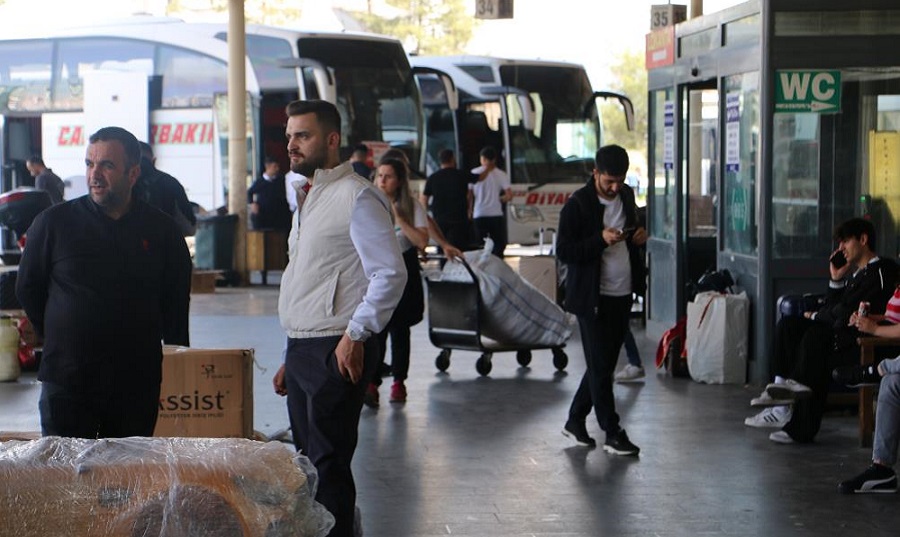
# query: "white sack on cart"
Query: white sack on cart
{"points": [[515, 312]]}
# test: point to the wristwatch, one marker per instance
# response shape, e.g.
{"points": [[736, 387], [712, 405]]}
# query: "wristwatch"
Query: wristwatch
{"points": [[358, 335]]}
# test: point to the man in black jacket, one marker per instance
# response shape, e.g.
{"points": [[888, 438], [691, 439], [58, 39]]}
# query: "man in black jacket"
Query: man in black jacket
{"points": [[599, 242], [808, 348], [104, 278], [161, 190], [268, 205]]}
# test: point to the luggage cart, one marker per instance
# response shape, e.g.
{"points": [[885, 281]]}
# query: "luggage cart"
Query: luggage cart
{"points": [[455, 320]]}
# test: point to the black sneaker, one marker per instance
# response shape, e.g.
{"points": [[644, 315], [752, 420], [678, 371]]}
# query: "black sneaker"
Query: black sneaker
{"points": [[855, 376], [619, 444], [579, 432], [876, 478]]}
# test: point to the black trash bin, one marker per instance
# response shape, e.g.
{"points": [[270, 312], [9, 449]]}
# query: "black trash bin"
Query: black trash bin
{"points": [[214, 244]]}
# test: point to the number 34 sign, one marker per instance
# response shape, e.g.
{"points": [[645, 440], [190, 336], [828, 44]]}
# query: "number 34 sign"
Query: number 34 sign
{"points": [[493, 9]]}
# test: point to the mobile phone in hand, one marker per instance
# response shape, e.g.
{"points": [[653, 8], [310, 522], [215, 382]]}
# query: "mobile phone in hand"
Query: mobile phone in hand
{"points": [[628, 232], [838, 259]]}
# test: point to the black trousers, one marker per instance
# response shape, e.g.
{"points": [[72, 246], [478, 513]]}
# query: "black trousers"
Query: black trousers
{"points": [[323, 409], [601, 337], [805, 352], [457, 232], [77, 414], [495, 228]]}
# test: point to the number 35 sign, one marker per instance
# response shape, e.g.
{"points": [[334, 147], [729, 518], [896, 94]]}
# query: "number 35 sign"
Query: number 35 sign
{"points": [[493, 9]]}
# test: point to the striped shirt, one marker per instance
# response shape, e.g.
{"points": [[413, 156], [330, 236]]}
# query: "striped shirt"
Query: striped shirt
{"points": [[892, 311]]}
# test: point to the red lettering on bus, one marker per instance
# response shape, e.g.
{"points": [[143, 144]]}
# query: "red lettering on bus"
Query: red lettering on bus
{"points": [[70, 136], [63, 138], [181, 133]]}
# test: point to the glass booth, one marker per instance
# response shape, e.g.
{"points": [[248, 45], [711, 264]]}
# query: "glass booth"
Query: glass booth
{"points": [[774, 121]]}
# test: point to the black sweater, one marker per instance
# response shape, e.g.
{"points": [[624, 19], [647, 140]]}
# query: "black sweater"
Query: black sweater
{"points": [[580, 246], [104, 292]]}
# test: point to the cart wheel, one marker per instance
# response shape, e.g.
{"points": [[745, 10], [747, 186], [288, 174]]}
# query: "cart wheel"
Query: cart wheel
{"points": [[442, 362], [483, 365], [560, 359], [523, 357]]}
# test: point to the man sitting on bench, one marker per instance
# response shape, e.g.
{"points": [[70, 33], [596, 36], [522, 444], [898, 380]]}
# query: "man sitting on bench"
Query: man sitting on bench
{"points": [[880, 476], [807, 348]]}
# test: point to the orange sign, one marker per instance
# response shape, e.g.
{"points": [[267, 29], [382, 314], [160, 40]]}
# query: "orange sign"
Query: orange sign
{"points": [[660, 48]]}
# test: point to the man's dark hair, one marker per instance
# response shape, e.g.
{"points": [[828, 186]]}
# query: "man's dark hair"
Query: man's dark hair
{"points": [[361, 148], [611, 160], [146, 150], [394, 153], [128, 141], [326, 113], [270, 160], [446, 156], [36, 159], [856, 228], [489, 153]]}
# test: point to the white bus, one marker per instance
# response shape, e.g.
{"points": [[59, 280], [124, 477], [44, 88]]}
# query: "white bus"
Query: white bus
{"points": [[166, 80], [542, 117]]}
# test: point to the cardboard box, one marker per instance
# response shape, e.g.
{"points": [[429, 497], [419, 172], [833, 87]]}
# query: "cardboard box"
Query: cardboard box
{"points": [[206, 393], [19, 435], [540, 271], [204, 281]]}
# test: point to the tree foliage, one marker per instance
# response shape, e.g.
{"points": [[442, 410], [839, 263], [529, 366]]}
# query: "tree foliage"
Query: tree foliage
{"points": [[426, 27], [270, 12], [630, 78]]}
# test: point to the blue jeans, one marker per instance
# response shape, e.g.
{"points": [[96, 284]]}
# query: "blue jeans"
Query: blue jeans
{"points": [[887, 421]]}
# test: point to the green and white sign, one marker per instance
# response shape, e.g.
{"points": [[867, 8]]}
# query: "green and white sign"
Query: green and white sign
{"points": [[808, 91]]}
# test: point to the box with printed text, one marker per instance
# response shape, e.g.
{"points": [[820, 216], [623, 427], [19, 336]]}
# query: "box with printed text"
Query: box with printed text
{"points": [[206, 393]]}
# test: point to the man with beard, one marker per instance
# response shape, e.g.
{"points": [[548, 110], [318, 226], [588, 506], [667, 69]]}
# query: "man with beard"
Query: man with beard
{"points": [[599, 239], [344, 278], [103, 279]]}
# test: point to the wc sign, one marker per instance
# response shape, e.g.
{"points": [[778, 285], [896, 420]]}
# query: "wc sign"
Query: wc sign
{"points": [[808, 91]]}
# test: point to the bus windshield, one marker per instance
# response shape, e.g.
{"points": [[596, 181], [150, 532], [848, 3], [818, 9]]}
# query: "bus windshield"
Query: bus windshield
{"points": [[377, 95], [566, 132]]}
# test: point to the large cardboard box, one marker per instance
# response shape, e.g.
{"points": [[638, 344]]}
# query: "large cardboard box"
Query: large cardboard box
{"points": [[204, 281], [540, 271], [206, 393]]}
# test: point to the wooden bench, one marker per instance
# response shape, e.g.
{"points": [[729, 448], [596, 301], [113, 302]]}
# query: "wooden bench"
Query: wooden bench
{"points": [[266, 250], [867, 346]]}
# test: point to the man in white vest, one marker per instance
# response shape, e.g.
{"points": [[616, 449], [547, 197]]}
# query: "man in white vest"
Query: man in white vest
{"points": [[344, 278]]}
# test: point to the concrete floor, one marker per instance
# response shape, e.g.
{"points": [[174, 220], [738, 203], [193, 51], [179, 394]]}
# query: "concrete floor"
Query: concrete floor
{"points": [[483, 456]]}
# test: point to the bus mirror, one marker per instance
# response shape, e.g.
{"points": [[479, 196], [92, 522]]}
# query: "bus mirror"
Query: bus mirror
{"points": [[449, 86], [528, 114], [625, 102], [450, 91], [325, 84]]}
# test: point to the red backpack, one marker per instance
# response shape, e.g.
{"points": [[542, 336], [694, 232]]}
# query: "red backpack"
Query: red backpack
{"points": [[672, 350]]}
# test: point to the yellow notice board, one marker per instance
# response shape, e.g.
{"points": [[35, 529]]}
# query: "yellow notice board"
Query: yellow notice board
{"points": [[884, 169]]}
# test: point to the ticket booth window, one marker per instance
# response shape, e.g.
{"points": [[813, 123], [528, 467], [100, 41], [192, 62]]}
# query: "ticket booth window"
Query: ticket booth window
{"points": [[662, 176], [741, 163], [795, 178]]}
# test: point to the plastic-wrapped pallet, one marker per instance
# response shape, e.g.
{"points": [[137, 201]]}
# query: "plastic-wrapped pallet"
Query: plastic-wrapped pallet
{"points": [[157, 486], [515, 312]]}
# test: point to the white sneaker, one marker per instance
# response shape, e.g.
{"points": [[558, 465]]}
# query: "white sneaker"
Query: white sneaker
{"points": [[773, 417], [630, 373], [781, 437], [789, 389], [765, 399]]}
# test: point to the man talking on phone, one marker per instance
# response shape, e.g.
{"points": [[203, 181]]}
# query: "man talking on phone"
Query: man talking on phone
{"points": [[598, 241], [807, 348]]}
